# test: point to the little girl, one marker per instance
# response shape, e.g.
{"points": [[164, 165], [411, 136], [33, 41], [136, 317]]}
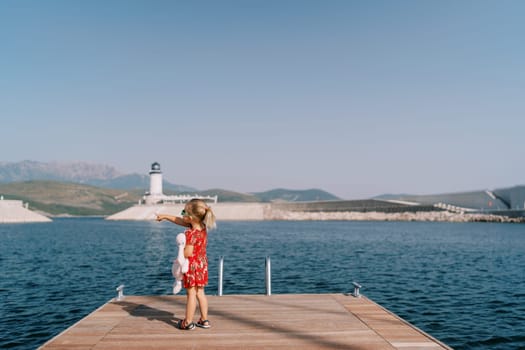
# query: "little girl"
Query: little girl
{"points": [[199, 218]]}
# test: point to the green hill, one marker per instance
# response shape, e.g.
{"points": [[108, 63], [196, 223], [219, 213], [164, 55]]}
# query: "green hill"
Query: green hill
{"points": [[62, 198]]}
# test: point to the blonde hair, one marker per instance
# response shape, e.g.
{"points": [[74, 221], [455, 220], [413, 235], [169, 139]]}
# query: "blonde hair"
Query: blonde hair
{"points": [[199, 209]]}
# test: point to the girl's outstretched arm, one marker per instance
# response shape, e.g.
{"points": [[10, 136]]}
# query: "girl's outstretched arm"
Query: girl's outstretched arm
{"points": [[175, 219]]}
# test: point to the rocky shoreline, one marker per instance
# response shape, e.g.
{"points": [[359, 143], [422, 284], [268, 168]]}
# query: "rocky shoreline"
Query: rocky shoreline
{"points": [[438, 216]]}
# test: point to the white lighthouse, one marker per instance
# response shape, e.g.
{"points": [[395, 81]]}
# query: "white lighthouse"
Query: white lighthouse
{"points": [[155, 180], [155, 195]]}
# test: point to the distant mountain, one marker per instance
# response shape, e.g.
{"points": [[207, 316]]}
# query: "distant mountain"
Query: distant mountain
{"points": [[99, 175], [80, 172], [281, 194]]}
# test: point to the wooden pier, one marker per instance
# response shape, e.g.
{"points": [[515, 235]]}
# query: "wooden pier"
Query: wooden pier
{"points": [[286, 321]]}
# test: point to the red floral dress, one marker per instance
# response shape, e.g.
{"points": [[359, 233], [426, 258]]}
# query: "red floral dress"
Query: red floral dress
{"points": [[197, 275]]}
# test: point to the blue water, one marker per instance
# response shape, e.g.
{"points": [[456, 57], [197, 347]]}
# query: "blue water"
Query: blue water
{"points": [[464, 283]]}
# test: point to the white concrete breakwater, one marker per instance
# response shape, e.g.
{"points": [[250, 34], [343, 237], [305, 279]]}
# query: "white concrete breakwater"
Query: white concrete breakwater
{"points": [[264, 211], [223, 211], [14, 211]]}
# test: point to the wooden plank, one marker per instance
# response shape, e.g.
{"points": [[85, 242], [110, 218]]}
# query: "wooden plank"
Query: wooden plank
{"points": [[398, 332], [288, 321]]}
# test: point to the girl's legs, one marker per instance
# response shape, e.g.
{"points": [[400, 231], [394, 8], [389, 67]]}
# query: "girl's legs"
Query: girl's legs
{"points": [[191, 303], [203, 303]]}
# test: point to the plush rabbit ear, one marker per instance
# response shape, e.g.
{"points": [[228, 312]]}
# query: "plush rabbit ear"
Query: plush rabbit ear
{"points": [[181, 238]]}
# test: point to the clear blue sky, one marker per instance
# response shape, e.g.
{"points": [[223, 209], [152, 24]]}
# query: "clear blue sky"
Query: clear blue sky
{"points": [[358, 98]]}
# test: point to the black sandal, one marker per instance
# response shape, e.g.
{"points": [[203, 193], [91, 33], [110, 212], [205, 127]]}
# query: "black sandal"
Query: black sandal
{"points": [[182, 324], [203, 323]]}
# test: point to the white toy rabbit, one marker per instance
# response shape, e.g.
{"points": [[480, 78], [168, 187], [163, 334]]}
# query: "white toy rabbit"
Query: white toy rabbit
{"points": [[180, 264]]}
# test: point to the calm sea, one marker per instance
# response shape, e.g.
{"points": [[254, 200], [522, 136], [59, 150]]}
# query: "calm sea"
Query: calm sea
{"points": [[464, 283]]}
